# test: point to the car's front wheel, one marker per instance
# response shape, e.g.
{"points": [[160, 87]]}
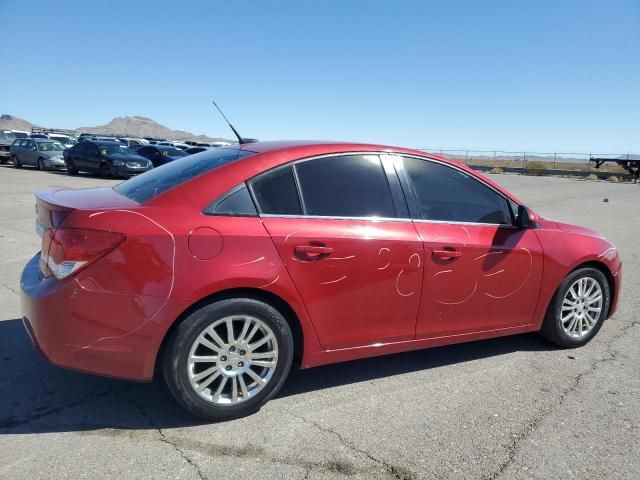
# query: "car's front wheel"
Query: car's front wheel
{"points": [[228, 358], [578, 308]]}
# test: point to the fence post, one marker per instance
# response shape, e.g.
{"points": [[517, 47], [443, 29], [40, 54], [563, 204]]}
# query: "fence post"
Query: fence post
{"points": [[524, 159], [554, 160]]}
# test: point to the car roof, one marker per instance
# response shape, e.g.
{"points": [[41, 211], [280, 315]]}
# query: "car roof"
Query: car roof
{"points": [[314, 147]]}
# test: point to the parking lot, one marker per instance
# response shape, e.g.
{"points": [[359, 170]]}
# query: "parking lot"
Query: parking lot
{"points": [[514, 407]]}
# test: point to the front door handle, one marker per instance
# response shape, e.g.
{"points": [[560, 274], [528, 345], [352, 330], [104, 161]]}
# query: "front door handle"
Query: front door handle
{"points": [[312, 252], [446, 254]]}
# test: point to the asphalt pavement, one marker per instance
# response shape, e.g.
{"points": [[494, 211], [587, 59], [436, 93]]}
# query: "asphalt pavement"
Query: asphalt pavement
{"points": [[514, 407]]}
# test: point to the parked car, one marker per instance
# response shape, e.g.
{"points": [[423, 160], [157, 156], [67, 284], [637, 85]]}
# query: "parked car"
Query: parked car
{"points": [[132, 141], [192, 150], [223, 269], [67, 141], [6, 139], [38, 135], [106, 158], [159, 154], [19, 133], [180, 145], [43, 153]]}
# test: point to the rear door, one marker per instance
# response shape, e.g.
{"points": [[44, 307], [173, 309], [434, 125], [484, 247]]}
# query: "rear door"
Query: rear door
{"points": [[481, 272], [30, 154], [339, 224]]}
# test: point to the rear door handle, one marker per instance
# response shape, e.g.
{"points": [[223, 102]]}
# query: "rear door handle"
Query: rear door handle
{"points": [[313, 249], [446, 254]]}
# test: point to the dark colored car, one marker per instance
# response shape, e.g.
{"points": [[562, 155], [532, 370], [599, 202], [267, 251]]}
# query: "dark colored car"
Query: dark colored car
{"points": [[108, 159], [226, 267], [160, 154]]}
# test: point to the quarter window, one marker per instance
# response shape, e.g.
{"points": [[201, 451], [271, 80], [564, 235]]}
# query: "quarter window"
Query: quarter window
{"points": [[236, 202], [448, 194], [276, 193], [345, 186]]}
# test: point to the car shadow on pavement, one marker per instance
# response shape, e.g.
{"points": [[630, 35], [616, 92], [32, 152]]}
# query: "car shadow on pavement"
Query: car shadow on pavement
{"points": [[37, 397]]}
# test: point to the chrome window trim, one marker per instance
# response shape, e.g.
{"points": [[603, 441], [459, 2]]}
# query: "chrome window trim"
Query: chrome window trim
{"points": [[385, 219]]}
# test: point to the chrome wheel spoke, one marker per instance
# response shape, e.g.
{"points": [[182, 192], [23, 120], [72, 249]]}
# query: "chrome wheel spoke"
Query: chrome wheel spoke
{"points": [[224, 368], [581, 307]]}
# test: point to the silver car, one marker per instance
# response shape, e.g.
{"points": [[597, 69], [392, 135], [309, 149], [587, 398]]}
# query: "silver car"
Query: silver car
{"points": [[38, 152]]}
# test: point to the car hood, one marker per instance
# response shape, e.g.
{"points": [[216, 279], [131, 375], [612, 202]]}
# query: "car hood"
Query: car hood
{"points": [[127, 157], [570, 228]]}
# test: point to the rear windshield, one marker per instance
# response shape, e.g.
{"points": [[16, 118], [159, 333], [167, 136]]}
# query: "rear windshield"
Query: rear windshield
{"points": [[160, 179]]}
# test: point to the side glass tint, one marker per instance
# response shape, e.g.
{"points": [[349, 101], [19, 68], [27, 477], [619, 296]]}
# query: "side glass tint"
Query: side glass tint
{"points": [[237, 202], [345, 186], [448, 194], [276, 193]]}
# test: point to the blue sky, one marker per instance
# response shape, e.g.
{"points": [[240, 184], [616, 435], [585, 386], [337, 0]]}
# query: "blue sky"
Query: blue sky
{"points": [[535, 75]]}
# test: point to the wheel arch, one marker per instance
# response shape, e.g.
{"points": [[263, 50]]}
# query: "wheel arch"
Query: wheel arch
{"points": [[265, 296], [602, 267]]}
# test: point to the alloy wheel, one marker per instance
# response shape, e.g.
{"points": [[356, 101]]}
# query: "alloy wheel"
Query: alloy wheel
{"points": [[581, 307], [232, 360]]}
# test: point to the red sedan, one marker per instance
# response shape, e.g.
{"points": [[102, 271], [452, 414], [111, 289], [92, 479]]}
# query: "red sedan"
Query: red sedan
{"points": [[224, 268]]}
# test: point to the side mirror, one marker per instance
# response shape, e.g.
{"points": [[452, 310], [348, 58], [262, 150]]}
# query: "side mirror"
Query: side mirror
{"points": [[523, 220]]}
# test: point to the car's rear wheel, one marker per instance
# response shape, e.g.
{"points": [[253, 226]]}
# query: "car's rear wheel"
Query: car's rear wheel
{"points": [[71, 168], [578, 308], [228, 358], [16, 161], [41, 165]]}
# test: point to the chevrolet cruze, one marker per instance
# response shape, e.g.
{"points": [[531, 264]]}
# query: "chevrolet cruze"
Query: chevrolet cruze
{"points": [[223, 269]]}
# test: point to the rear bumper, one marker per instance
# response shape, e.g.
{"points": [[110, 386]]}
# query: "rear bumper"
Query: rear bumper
{"points": [[108, 334]]}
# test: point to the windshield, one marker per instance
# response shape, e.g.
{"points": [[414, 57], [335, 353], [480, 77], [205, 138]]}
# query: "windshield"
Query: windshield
{"points": [[114, 148], [157, 181], [50, 146], [7, 136]]}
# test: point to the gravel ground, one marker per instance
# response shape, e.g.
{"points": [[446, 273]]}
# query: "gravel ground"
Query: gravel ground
{"points": [[506, 408]]}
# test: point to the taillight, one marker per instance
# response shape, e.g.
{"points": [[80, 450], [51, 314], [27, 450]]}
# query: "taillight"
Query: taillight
{"points": [[67, 250]]}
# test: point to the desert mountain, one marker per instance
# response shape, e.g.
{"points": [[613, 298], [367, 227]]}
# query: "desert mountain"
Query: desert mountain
{"points": [[9, 122], [124, 126]]}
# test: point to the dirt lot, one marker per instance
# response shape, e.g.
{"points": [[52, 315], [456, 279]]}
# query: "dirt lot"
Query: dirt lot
{"points": [[507, 408]]}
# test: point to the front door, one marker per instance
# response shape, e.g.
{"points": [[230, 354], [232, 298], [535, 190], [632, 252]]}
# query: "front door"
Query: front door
{"points": [[356, 265], [481, 272]]}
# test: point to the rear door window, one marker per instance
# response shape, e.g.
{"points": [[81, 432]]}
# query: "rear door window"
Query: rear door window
{"points": [[345, 186]]}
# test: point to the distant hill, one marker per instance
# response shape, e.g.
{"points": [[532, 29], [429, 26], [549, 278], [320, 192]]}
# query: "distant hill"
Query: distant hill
{"points": [[9, 122], [124, 126]]}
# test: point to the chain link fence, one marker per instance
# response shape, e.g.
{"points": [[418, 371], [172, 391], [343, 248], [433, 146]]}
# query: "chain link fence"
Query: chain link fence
{"points": [[549, 161]]}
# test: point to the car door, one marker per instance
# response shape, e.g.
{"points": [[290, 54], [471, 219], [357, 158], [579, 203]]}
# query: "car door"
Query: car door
{"points": [[481, 272], [91, 158], [76, 153], [341, 230]]}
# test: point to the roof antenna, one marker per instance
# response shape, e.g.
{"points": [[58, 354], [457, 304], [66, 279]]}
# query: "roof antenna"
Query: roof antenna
{"points": [[241, 140]]}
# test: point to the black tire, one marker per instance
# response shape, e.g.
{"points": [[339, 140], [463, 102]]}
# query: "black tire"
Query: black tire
{"points": [[105, 171], [71, 168], [552, 328], [41, 165], [177, 349], [16, 161]]}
